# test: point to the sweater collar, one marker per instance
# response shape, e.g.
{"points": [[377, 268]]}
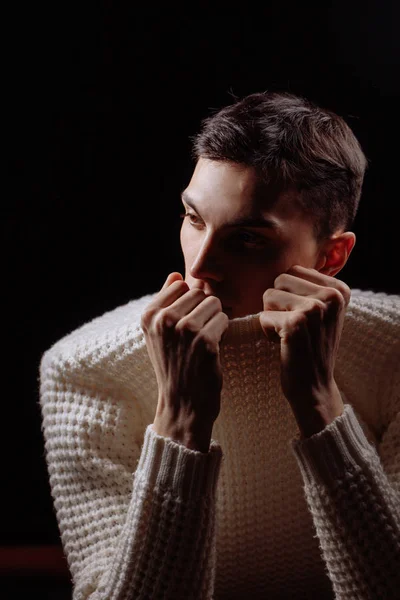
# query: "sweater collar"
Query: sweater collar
{"points": [[246, 328]]}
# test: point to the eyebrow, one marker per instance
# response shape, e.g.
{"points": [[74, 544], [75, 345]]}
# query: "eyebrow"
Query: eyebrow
{"points": [[258, 221]]}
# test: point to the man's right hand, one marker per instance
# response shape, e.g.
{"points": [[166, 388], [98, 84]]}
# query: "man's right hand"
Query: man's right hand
{"points": [[183, 329]]}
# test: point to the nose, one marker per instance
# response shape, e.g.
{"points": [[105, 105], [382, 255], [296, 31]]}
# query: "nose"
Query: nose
{"points": [[206, 264]]}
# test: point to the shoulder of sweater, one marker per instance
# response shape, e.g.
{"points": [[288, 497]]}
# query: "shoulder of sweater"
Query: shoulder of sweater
{"points": [[372, 324], [375, 311], [368, 358], [98, 338], [375, 301]]}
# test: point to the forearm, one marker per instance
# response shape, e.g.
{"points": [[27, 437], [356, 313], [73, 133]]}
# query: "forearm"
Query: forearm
{"points": [[318, 410]]}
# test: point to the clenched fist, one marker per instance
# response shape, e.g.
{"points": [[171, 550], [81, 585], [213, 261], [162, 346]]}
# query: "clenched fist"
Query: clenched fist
{"points": [[183, 329], [305, 311]]}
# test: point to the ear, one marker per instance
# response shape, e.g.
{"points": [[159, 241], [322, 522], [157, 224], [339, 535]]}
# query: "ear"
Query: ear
{"points": [[335, 252]]}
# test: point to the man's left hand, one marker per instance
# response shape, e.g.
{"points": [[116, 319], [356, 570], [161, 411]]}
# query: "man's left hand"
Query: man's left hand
{"points": [[306, 309]]}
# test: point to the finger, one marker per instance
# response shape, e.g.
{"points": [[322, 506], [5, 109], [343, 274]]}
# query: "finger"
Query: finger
{"points": [[314, 276], [175, 276], [167, 296], [282, 300], [296, 285], [195, 316], [214, 330], [183, 307], [334, 294]]}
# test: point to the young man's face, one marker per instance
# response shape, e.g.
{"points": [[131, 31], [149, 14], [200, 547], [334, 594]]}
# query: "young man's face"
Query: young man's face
{"points": [[238, 262]]}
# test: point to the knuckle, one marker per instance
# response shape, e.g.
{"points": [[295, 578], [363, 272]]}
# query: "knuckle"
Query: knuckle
{"points": [[316, 306], [336, 298], [206, 341], [345, 291], [301, 319], [147, 317], [162, 319], [179, 284], [196, 292], [215, 302], [294, 270], [280, 281], [186, 326], [268, 293], [225, 319], [298, 323], [225, 324]]}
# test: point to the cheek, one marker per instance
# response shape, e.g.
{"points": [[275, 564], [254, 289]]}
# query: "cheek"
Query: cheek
{"points": [[188, 245], [303, 249]]}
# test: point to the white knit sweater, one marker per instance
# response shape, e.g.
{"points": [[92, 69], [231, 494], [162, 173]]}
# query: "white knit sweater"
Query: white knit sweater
{"points": [[263, 514]]}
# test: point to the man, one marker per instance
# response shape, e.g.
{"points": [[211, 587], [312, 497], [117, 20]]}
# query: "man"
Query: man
{"points": [[254, 400]]}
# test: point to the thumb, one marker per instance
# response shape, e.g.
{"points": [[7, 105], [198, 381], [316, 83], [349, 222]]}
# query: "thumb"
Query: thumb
{"points": [[175, 276]]}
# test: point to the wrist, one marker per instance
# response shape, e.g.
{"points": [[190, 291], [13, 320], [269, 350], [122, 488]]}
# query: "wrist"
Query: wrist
{"points": [[188, 432], [319, 410]]}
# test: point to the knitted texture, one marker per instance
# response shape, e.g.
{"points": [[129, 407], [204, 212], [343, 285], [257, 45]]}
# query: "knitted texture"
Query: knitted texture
{"points": [[263, 514]]}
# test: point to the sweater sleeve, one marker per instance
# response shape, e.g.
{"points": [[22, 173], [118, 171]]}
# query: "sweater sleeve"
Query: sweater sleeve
{"points": [[353, 494], [127, 533]]}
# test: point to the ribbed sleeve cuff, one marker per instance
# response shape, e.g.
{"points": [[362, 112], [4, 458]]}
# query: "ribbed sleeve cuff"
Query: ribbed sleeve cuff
{"points": [[186, 473], [340, 447]]}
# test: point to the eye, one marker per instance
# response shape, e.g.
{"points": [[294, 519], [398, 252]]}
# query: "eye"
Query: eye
{"points": [[246, 237], [241, 238], [191, 215]]}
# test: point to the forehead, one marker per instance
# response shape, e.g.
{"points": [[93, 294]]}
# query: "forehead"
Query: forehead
{"points": [[223, 180], [238, 190]]}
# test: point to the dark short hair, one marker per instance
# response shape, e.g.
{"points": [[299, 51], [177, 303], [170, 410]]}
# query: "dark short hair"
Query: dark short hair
{"points": [[292, 144]]}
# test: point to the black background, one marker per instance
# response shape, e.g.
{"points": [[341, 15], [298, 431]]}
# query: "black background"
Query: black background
{"points": [[103, 100]]}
